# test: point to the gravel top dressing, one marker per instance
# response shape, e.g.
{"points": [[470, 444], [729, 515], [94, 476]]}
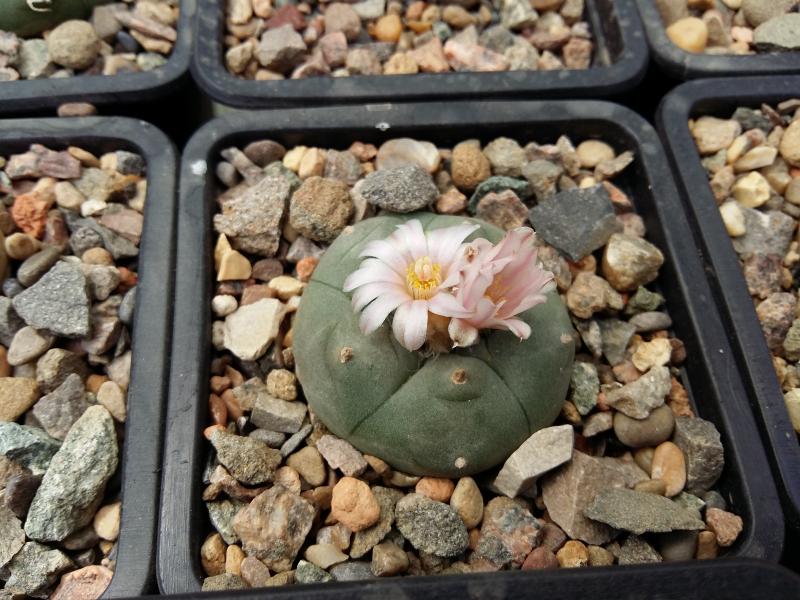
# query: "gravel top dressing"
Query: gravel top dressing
{"points": [[621, 472]]}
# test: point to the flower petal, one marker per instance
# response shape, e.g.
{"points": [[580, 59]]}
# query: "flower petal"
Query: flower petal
{"points": [[368, 292], [412, 238], [462, 333], [518, 327], [410, 324], [387, 253], [375, 314], [446, 305], [444, 243], [371, 270]]}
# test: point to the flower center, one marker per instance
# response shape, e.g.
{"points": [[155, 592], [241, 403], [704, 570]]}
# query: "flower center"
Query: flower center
{"points": [[498, 290], [423, 278]]}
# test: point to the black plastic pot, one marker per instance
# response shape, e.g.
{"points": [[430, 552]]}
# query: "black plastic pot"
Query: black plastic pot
{"points": [[141, 453], [40, 95], [719, 395], [620, 58], [723, 579], [720, 98], [686, 65]]}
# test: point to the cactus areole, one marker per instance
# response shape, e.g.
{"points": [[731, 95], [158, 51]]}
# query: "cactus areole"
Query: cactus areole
{"points": [[436, 414], [29, 17]]}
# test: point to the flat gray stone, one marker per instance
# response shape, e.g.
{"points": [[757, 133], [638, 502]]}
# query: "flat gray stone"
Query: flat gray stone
{"points": [[615, 335], [73, 486], [221, 513], [638, 398], [27, 345], [250, 461], [225, 581], [12, 536], [58, 302], [340, 454], [766, 232], [36, 569], [30, 447], [640, 512], [584, 386], [700, 442], [569, 490], [278, 415], [400, 189], [636, 551], [352, 570], [431, 526], [779, 34], [58, 410], [117, 245], [577, 222], [543, 451], [307, 572], [498, 183], [10, 322]]}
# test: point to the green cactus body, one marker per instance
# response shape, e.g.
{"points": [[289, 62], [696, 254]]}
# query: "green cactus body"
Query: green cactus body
{"points": [[444, 415], [29, 18]]}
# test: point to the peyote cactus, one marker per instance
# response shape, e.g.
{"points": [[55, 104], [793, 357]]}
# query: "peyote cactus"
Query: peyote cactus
{"points": [[444, 415], [29, 17]]}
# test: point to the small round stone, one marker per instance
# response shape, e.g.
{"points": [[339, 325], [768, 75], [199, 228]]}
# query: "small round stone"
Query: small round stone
{"points": [[106, 521], [592, 152], [467, 500], [73, 44], [224, 305], [689, 34], [540, 558], [669, 465], [308, 462], [212, 555], [790, 144], [321, 208], [354, 504], [388, 28], [640, 433], [97, 256], [733, 218], [112, 397], [469, 166], [573, 554], [20, 246]]}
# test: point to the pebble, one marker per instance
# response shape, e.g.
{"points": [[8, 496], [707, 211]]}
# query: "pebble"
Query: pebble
{"points": [[17, 395], [467, 501], [273, 527], [35, 569], [540, 558], [752, 190], [636, 551], [504, 210], [543, 451], [366, 539], [28, 447], [642, 433], [57, 411], [308, 462], [307, 572], [508, 534], [405, 152], [324, 555], [19, 492], [254, 572], [573, 554], [639, 398], [320, 208], [221, 514], [341, 455], [630, 262], [712, 134], [58, 302], [400, 189], [577, 221], [250, 461], [700, 443], [726, 526], [353, 570], [689, 34], [75, 479], [73, 44], [584, 386], [388, 560], [106, 521], [431, 526], [278, 415], [212, 554], [224, 581], [250, 329], [639, 512], [435, 488], [779, 34], [655, 353], [89, 582], [354, 504], [669, 466]]}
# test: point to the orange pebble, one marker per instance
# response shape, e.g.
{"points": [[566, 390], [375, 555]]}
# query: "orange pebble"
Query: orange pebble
{"points": [[305, 267], [94, 381], [217, 409], [29, 212], [232, 404]]}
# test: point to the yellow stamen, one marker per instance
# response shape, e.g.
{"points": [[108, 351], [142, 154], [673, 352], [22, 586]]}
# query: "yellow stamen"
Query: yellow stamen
{"points": [[423, 278]]}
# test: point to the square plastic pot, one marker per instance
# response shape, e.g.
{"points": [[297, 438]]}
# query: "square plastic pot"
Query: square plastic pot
{"points": [[620, 57], [718, 395], [720, 98], [684, 65], [42, 95], [141, 453]]}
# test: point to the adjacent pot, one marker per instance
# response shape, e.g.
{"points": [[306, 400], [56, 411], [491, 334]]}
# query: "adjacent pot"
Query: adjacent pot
{"points": [[746, 482], [39, 95], [684, 65], [141, 453], [720, 98], [621, 53]]}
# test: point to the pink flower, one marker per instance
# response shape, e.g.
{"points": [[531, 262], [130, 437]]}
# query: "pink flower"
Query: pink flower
{"points": [[497, 283], [410, 273]]}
